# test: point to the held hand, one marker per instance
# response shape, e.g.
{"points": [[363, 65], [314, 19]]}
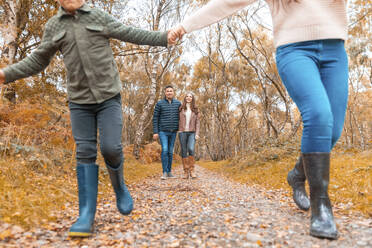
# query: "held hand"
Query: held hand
{"points": [[172, 37], [155, 136], [175, 34], [2, 77], [197, 137]]}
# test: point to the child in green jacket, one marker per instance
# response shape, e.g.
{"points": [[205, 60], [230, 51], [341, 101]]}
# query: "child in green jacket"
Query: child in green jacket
{"points": [[82, 34]]}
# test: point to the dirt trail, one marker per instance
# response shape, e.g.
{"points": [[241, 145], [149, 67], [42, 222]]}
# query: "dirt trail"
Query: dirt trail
{"points": [[210, 211]]}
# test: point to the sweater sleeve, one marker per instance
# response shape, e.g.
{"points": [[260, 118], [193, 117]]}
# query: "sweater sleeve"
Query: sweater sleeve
{"points": [[213, 12]]}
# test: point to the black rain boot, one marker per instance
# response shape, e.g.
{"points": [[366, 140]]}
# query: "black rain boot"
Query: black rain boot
{"points": [[296, 179], [317, 173], [87, 176], [124, 200]]}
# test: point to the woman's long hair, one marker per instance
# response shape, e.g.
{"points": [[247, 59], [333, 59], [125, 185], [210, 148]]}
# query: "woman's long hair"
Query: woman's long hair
{"points": [[192, 104]]}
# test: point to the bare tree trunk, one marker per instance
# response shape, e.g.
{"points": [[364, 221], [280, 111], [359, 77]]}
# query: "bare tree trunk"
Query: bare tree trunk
{"points": [[147, 108], [10, 35], [149, 105]]}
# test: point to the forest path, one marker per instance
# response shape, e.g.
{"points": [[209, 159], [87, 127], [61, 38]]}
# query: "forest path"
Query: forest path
{"points": [[209, 211]]}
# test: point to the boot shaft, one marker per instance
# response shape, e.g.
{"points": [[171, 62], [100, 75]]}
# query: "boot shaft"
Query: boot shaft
{"points": [[124, 201], [87, 177], [185, 164], [317, 167], [191, 162], [299, 170], [317, 173], [116, 177]]}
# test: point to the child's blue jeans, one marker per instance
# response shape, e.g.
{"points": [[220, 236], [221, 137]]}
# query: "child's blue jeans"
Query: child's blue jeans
{"points": [[315, 74]]}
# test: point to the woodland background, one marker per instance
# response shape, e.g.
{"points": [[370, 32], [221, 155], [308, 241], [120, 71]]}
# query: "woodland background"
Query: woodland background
{"points": [[245, 110]]}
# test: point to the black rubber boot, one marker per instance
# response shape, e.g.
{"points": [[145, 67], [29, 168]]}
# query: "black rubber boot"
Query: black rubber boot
{"points": [[87, 176], [296, 179], [124, 200], [317, 173]]}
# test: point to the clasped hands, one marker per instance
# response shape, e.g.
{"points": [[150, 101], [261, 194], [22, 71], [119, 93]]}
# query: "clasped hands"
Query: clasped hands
{"points": [[175, 34], [2, 77]]}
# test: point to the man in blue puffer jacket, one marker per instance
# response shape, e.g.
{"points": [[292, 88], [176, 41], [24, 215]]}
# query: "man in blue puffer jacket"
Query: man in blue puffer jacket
{"points": [[165, 127]]}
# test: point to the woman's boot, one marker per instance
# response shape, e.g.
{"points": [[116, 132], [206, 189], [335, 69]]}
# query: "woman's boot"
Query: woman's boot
{"points": [[192, 166], [124, 200], [185, 168], [87, 177], [296, 179], [317, 173]]}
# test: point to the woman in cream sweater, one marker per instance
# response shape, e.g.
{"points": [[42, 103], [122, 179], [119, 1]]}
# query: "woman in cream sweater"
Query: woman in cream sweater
{"points": [[308, 34]]}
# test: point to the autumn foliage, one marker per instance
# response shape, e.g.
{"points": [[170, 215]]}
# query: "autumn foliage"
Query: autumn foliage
{"points": [[248, 121]]}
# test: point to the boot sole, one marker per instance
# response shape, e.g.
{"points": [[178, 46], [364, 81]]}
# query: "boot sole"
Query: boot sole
{"points": [[79, 234], [324, 235]]}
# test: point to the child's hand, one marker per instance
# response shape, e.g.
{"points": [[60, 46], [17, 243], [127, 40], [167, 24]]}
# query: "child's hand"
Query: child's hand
{"points": [[172, 37], [2, 77], [174, 34]]}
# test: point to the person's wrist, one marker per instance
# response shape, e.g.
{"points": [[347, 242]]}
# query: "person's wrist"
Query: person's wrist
{"points": [[183, 31]]}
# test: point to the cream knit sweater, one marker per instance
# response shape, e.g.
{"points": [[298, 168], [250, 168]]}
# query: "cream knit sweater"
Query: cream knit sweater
{"points": [[298, 21]]}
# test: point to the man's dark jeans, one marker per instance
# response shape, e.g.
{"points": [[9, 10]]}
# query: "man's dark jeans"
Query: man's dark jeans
{"points": [[107, 117], [167, 140]]}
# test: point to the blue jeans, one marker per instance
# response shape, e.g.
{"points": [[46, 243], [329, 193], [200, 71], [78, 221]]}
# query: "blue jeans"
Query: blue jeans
{"points": [[107, 117], [167, 140], [315, 74], [187, 141]]}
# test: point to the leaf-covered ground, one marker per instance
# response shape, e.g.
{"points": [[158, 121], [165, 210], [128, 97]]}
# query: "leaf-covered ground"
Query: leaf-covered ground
{"points": [[210, 211], [350, 176]]}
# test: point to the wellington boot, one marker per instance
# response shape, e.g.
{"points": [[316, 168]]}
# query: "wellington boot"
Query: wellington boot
{"points": [[296, 179], [317, 173], [124, 200], [87, 177]]}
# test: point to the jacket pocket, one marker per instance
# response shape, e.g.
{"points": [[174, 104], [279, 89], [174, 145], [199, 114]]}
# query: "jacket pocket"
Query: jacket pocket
{"points": [[94, 28], [96, 35]]}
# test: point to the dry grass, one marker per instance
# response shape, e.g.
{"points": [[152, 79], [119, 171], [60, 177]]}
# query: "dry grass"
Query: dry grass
{"points": [[351, 175], [29, 197]]}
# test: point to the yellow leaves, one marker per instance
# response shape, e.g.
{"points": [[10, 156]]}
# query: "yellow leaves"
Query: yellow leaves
{"points": [[263, 226], [195, 193], [189, 222], [6, 234], [135, 216], [259, 243], [16, 214]]}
